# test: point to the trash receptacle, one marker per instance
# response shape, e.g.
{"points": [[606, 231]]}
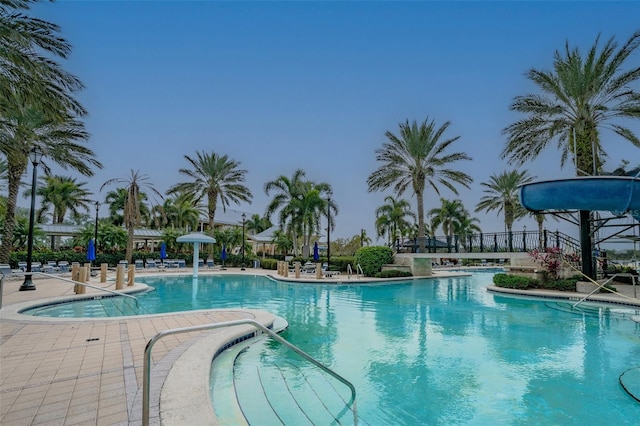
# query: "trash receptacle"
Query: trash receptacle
{"points": [[256, 264]]}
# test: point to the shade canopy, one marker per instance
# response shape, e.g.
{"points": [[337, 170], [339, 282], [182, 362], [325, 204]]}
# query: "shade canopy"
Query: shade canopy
{"points": [[195, 237]]}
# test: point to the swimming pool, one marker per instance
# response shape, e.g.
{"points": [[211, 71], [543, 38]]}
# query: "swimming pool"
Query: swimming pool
{"points": [[441, 351]]}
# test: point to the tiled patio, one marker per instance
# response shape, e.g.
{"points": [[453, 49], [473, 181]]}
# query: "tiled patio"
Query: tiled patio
{"points": [[86, 372]]}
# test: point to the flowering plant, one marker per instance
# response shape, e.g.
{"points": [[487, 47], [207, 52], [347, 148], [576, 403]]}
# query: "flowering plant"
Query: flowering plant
{"points": [[551, 260]]}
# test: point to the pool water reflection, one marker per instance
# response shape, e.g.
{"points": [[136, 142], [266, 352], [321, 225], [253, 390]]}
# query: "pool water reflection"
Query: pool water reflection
{"points": [[440, 351]]}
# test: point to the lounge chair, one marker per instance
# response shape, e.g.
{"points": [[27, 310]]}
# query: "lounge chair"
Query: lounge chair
{"points": [[151, 264], [124, 263], [63, 265], [5, 269], [36, 267], [210, 263], [22, 266], [181, 263], [200, 263], [139, 264]]}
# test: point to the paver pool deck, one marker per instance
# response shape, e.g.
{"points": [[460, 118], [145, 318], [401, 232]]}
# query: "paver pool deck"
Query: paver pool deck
{"points": [[89, 371]]}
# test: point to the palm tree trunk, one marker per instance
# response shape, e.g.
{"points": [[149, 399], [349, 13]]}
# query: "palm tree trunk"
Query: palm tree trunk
{"points": [[421, 235], [129, 252], [14, 172]]}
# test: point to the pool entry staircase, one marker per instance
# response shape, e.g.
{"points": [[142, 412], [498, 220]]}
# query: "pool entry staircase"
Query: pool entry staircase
{"points": [[282, 389]]}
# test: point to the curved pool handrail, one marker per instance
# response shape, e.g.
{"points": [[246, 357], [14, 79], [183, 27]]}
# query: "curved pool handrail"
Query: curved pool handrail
{"points": [[117, 293], [146, 372]]}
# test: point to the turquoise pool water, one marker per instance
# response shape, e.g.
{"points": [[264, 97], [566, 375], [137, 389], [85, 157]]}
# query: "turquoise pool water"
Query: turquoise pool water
{"points": [[439, 351]]}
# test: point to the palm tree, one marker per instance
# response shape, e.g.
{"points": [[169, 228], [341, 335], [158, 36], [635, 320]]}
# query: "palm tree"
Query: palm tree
{"points": [[55, 140], [465, 227], [448, 216], [3, 174], [391, 218], [182, 211], [578, 99], [301, 204], [256, 224], [417, 158], [132, 212], [216, 178], [61, 194], [25, 71], [282, 241], [37, 104], [502, 195]]}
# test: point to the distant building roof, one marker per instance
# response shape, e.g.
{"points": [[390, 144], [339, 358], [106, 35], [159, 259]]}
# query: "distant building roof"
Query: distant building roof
{"points": [[72, 230]]}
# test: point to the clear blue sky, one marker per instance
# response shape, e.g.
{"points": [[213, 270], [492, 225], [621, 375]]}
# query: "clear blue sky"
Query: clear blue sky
{"points": [[315, 85]]}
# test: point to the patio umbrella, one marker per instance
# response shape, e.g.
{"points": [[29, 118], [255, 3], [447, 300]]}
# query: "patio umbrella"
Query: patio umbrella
{"points": [[196, 238], [163, 252], [316, 255], [223, 255], [91, 251]]}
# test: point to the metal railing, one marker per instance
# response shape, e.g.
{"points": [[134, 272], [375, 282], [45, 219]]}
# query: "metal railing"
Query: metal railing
{"points": [[116, 293], [518, 241], [146, 380]]}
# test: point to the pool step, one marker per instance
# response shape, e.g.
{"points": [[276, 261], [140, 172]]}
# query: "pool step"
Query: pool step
{"points": [[273, 387]]}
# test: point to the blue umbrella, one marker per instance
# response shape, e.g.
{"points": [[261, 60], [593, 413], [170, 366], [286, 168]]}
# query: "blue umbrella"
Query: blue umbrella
{"points": [[163, 253], [91, 251], [316, 255], [223, 254]]}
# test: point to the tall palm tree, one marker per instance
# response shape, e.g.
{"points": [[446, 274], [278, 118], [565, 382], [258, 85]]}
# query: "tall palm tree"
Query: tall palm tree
{"points": [[37, 103], [301, 204], [502, 195], [59, 195], [117, 200], [448, 216], [36, 77], [62, 194], [416, 158], [577, 100], [182, 211], [215, 178], [392, 218], [55, 140], [288, 191], [132, 212], [256, 224]]}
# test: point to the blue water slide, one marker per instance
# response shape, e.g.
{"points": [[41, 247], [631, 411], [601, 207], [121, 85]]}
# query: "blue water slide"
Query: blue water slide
{"points": [[616, 194]]}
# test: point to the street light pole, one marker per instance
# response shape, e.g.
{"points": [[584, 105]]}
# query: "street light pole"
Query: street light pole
{"points": [[328, 229], [95, 231], [244, 216], [35, 157]]}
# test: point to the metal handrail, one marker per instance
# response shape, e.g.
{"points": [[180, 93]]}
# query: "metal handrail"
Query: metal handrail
{"points": [[117, 293], [359, 268], [146, 375]]}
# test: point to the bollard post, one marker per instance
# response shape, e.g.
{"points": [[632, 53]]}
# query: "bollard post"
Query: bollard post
{"points": [[132, 277], [103, 272], [297, 269], [318, 270], [119, 277], [75, 276], [286, 269]]}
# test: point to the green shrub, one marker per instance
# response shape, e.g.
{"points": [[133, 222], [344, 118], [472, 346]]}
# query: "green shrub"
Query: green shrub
{"points": [[269, 264], [393, 273], [568, 284], [372, 258], [514, 281]]}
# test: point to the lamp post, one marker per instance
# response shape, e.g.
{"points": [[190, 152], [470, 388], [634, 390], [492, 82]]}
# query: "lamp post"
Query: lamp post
{"points": [[35, 155], [244, 216], [95, 230], [329, 194]]}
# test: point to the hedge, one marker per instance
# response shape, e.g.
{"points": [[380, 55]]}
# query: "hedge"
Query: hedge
{"points": [[372, 258]]}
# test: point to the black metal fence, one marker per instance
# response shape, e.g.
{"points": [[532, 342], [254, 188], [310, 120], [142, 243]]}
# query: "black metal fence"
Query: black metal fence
{"points": [[519, 241]]}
